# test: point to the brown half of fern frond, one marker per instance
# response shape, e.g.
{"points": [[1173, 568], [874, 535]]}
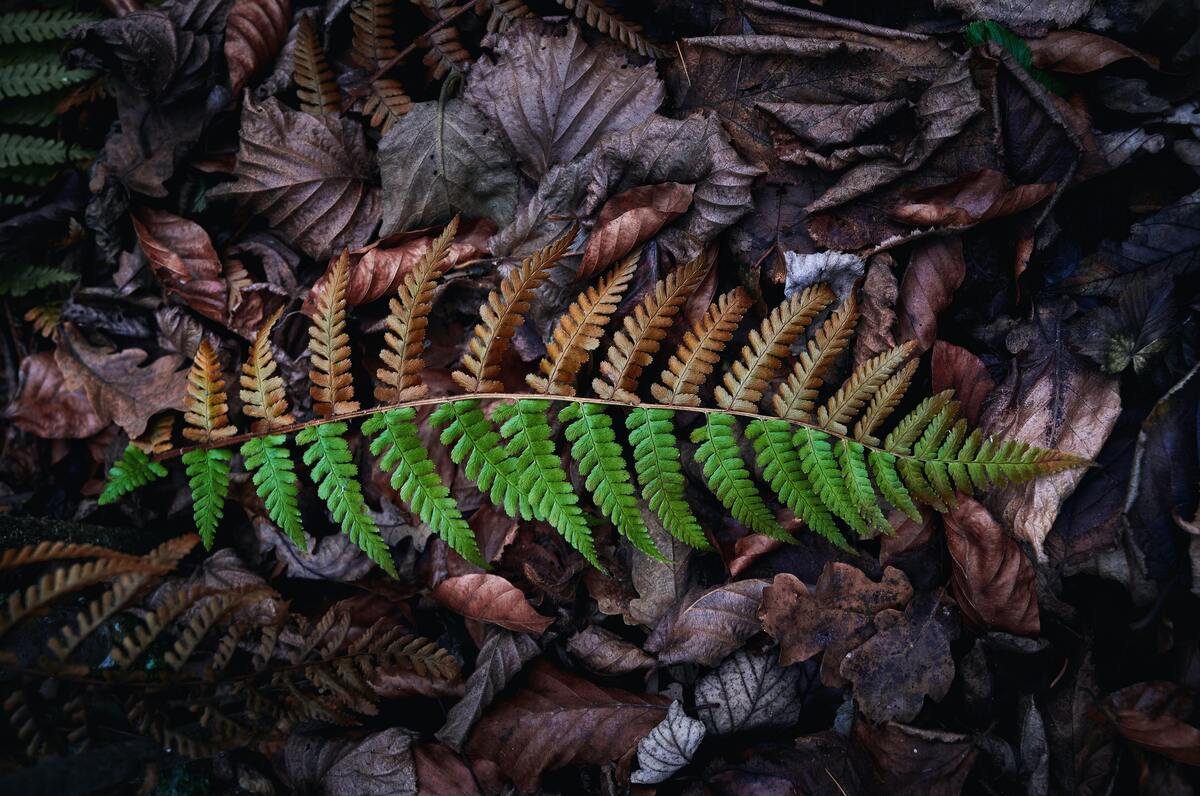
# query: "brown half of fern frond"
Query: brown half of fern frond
{"points": [[332, 387], [502, 313], [315, 86], [207, 412], [386, 102], [690, 366], [609, 22], [157, 437], [263, 395], [374, 32], [795, 398]]}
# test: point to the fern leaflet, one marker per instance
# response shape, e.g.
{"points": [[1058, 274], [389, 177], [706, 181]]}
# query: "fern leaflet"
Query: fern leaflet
{"points": [[208, 478], [783, 469], [274, 476], [656, 462], [475, 443], [728, 477], [132, 471]]}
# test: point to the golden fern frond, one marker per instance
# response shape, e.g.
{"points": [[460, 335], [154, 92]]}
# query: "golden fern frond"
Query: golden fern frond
{"points": [[263, 395], [795, 398], [747, 378], [693, 362], [634, 347], [374, 33], [332, 388], [883, 403], [45, 317], [57, 551], [407, 321], [864, 383], [501, 314], [578, 331], [207, 411], [610, 23], [131, 646], [424, 657], [266, 647], [154, 724], [210, 612], [504, 13], [446, 52], [386, 103], [157, 438], [315, 86]]}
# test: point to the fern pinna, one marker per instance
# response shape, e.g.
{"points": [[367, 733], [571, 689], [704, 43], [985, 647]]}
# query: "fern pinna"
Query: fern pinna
{"points": [[823, 453]]}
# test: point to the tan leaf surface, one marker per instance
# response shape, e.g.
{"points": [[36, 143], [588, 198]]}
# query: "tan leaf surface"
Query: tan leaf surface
{"points": [[935, 270], [182, 256], [491, 599], [46, 407], [994, 583], [711, 625], [631, 218], [970, 199], [607, 653]]}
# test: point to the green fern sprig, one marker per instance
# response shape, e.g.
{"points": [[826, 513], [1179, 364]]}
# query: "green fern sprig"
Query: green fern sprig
{"points": [[19, 281], [132, 471], [27, 27], [40, 76]]}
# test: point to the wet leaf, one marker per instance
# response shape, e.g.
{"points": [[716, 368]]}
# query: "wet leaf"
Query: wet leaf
{"points": [[607, 653], [914, 761], [1151, 715], [491, 599], [669, 747], [748, 692]]}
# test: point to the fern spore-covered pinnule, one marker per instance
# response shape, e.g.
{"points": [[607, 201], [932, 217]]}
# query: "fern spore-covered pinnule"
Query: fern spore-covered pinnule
{"points": [[824, 452]]}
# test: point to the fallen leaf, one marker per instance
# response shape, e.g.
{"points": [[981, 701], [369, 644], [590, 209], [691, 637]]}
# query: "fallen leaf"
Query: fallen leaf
{"points": [[631, 218], [308, 176], [1131, 334], [935, 270], [583, 92], [381, 764], [709, 626], [1019, 14], [441, 772], [1151, 715], [255, 31], [556, 720], [906, 660], [334, 557], [46, 407], [182, 256], [668, 748], [877, 310], [970, 199], [838, 270], [491, 599], [1077, 52], [660, 585], [994, 583], [119, 387], [440, 160], [607, 653], [911, 761], [824, 124], [748, 692], [909, 535], [549, 213], [500, 659], [749, 549], [956, 368]]}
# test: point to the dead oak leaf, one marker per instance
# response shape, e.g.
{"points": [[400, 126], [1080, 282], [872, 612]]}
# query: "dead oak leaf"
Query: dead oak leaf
{"points": [[119, 387], [491, 599]]}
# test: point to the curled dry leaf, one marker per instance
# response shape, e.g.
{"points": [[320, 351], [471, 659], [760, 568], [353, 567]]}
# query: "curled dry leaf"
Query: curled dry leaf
{"points": [[1078, 52], [748, 692], [255, 30], [935, 270], [1152, 715], [607, 653], [500, 659], [910, 761], [709, 626], [994, 583], [309, 176], [334, 557], [557, 719], [970, 199], [749, 549], [1019, 14], [631, 218], [669, 747], [956, 368], [182, 256], [46, 408], [491, 599]]}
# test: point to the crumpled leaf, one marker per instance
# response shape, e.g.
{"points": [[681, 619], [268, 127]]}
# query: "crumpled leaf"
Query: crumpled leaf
{"points": [[748, 692], [956, 368], [877, 308], [334, 557], [834, 617], [309, 176], [381, 764], [710, 626], [839, 270], [911, 761], [46, 408], [255, 31], [1133, 333], [549, 213], [906, 660], [557, 719], [691, 150], [1077, 52], [1050, 400], [1152, 716], [435, 162], [631, 218], [669, 747], [994, 583], [441, 772], [660, 585], [1017, 13], [607, 653], [500, 659], [552, 95], [935, 270], [970, 199], [826, 124], [119, 387], [491, 599]]}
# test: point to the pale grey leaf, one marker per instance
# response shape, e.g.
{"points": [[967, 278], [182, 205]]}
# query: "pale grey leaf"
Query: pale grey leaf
{"points": [[548, 214], [839, 270], [823, 124], [747, 692], [501, 657], [669, 747]]}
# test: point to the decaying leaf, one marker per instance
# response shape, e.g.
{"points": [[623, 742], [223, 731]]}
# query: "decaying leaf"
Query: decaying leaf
{"points": [[254, 33], [491, 599], [706, 628], [630, 219], [379, 765], [500, 659], [46, 407], [669, 747], [748, 692], [994, 582], [970, 199], [1153, 716], [935, 270], [913, 761], [607, 653]]}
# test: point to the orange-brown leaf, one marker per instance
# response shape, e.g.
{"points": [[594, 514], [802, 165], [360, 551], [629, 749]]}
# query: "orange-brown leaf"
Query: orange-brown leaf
{"points": [[263, 394], [700, 351], [254, 33], [207, 412], [994, 583], [631, 218], [491, 599], [332, 388]]}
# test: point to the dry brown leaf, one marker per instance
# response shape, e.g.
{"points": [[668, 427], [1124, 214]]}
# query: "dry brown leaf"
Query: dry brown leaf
{"points": [[557, 719], [631, 218], [46, 408], [182, 256], [255, 31], [994, 583], [501, 658], [441, 772], [709, 626], [119, 387], [910, 761], [491, 599], [1152, 715], [1078, 52], [935, 270], [749, 549], [1020, 13], [607, 653], [970, 199], [956, 368], [877, 310], [831, 124], [908, 535]]}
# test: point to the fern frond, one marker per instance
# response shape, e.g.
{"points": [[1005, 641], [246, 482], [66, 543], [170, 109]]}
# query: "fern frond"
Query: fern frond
{"points": [[504, 13], [659, 471], [315, 86], [19, 281], [45, 318], [132, 471], [783, 469], [207, 410], [263, 394], [502, 313], [578, 331], [821, 469], [634, 347], [398, 444], [883, 403], [374, 33], [386, 102], [883, 467], [594, 446], [446, 52], [551, 497], [27, 27], [909, 429], [700, 351], [157, 437], [335, 474], [332, 387], [728, 478], [40, 76], [796, 396], [269, 463], [864, 383], [475, 444], [610, 23], [747, 378], [134, 644], [852, 459], [56, 551], [208, 477], [203, 621], [406, 323]]}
